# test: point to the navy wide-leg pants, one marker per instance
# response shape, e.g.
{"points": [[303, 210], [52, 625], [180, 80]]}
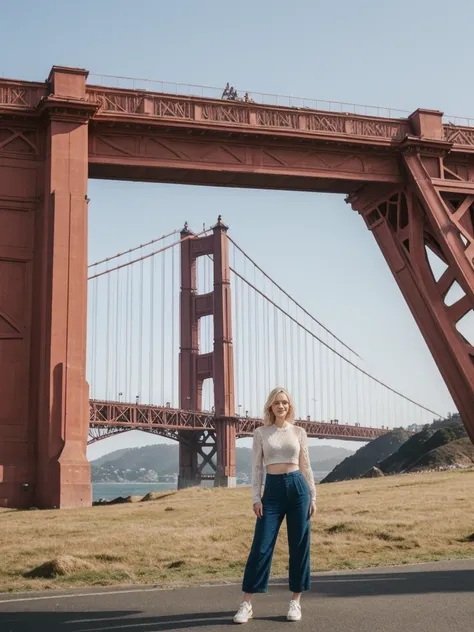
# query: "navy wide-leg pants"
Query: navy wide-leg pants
{"points": [[284, 494]]}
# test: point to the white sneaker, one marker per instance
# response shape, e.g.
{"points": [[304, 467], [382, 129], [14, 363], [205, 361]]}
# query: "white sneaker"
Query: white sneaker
{"points": [[244, 613], [294, 611]]}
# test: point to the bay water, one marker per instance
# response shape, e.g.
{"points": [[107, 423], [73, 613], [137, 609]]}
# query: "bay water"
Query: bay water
{"points": [[107, 491]]}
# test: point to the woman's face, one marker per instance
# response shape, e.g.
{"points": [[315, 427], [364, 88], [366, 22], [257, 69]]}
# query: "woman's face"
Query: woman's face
{"points": [[281, 406]]}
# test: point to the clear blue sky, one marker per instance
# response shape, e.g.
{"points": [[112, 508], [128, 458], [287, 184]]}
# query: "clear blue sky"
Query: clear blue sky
{"points": [[404, 55]]}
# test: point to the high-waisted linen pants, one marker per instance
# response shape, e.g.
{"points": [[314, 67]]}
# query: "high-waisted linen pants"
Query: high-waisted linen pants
{"points": [[284, 494]]}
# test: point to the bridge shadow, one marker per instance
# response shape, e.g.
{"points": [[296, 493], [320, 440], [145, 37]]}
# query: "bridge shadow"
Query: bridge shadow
{"points": [[396, 583], [113, 621], [19, 618]]}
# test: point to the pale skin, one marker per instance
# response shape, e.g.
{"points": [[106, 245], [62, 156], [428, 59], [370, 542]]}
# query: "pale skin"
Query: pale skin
{"points": [[280, 409]]}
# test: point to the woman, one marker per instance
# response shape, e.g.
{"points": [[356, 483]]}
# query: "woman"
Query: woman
{"points": [[289, 490]]}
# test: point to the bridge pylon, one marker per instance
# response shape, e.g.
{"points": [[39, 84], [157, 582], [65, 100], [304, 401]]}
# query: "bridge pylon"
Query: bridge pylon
{"points": [[432, 211], [195, 367]]}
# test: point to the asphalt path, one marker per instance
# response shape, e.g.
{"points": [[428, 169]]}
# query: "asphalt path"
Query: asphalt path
{"points": [[435, 597]]}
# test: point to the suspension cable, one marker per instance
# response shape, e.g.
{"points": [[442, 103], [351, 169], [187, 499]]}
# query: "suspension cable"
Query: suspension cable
{"points": [[291, 298], [151, 254], [126, 252], [333, 350]]}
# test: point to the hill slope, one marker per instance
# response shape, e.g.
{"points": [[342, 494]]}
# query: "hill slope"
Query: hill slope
{"points": [[431, 448], [366, 457], [442, 445], [456, 454]]}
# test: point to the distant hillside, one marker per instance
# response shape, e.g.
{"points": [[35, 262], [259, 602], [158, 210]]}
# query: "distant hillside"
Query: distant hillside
{"points": [[458, 454], [367, 457], [443, 444], [430, 448], [150, 462]]}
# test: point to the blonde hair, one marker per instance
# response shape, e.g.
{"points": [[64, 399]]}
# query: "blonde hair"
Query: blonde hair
{"points": [[268, 416]]}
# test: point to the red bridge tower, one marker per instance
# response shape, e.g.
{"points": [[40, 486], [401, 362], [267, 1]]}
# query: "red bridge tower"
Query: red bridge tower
{"points": [[195, 367]]}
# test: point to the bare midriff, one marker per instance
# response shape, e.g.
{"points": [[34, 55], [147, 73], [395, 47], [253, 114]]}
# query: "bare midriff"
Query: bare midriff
{"points": [[282, 468]]}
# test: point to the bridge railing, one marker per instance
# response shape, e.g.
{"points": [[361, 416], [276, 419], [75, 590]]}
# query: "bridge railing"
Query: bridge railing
{"points": [[198, 110], [21, 94], [264, 98], [161, 99]]}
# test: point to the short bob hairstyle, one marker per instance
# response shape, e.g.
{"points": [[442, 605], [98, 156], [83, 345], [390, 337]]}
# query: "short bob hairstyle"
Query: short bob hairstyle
{"points": [[268, 416]]}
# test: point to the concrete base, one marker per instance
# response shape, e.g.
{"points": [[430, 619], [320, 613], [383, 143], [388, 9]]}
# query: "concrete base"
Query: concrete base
{"points": [[185, 481], [225, 481]]}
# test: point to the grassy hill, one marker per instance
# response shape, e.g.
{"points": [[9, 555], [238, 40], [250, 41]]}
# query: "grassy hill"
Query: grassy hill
{"points": [[367, 457], [412, 454], [202, 535], [442, 445], [456, 454]]}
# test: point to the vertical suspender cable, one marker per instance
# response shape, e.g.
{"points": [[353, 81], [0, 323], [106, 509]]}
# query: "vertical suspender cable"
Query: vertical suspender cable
{"points": [[126, 394], [306, 371], [131, 371], [336, 413], [357, 410], [152, 328], [315, 395], [270, 355], [277, 346], [107, 341], [95, 308], [383, 407], [341, 384], [117, 347], [243, 343], [293, 360], [321, 383], [236, 328], [257, 348], [285, 324], [298, 371], [368, 401], [391, 408], [328, 381], [250, 332], [163, 325], [289, 353], [174, 348], [140, 336], [266, 349], [351, 390]]}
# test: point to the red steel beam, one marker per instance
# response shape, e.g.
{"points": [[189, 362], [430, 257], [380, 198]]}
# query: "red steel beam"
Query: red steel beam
{"points": [[142, 417]]}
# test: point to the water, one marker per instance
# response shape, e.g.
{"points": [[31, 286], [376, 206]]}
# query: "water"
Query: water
{"points": [[113, 490]]}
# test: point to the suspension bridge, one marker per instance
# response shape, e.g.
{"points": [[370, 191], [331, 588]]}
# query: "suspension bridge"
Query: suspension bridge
{"points": [[186, 338], [189, 333]]}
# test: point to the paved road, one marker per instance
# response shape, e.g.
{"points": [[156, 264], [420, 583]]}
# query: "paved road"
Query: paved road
{"points": [[435, 597]]}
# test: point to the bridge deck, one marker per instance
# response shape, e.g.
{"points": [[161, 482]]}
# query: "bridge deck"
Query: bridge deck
{"points": [[168, 421]]}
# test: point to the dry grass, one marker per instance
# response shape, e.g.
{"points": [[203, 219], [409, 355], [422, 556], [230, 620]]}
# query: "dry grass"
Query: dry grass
{"points": [[203, 535]]}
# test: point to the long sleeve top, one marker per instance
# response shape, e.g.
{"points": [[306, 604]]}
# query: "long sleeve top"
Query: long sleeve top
{"points": [[272, 444]]}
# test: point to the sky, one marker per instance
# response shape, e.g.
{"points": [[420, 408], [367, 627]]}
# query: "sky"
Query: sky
{"points": [[403, 55]]}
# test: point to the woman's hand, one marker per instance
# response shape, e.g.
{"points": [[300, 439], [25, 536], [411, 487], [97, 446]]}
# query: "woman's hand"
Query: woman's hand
{"points": [[258, 509], [312, 509]]}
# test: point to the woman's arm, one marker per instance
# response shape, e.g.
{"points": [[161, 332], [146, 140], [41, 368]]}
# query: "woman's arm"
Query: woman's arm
{"points": [[257, 467], [305, 464]]}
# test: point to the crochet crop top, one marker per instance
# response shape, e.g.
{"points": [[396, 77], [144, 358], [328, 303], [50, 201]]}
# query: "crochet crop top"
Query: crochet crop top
{"points": [[272, 444]]}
